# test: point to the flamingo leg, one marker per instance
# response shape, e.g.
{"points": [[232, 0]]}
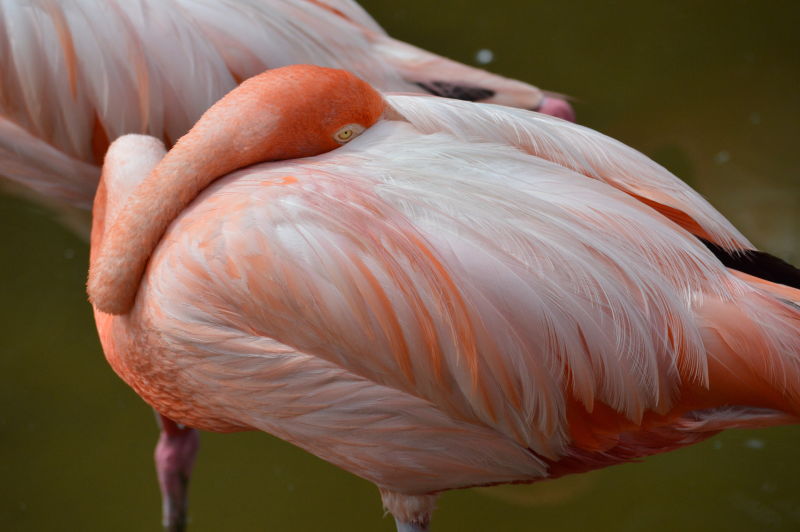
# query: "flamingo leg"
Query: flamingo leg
{"points": [[412, 513], [410, 527], [174, 456]]}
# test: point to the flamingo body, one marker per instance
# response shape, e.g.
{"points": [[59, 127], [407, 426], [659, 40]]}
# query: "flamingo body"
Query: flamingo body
{"points": [[447, 301], [76, 75]]}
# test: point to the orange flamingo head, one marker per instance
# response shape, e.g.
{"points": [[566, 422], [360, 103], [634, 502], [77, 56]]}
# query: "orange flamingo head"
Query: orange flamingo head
{"points": [[284, 113], [294, 111]]}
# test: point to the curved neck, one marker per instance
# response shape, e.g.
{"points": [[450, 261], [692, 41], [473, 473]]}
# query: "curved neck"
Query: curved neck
{"points": [[225, 138], [126, 244], [281, 114]]}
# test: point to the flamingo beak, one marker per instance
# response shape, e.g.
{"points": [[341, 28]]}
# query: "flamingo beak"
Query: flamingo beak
{"points": [[558, 107]]}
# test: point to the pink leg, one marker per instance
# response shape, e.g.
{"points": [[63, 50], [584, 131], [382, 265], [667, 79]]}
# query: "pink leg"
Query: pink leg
{"points": [[175, 453]]}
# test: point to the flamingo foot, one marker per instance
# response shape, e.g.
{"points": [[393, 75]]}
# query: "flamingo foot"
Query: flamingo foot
{"points": [[175, 453]]}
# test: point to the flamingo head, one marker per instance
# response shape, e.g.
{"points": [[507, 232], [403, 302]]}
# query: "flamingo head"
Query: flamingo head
{"points": [[283, 113], [298, 111]]}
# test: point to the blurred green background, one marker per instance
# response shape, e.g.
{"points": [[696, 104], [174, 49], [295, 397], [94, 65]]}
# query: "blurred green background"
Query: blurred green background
{"points": [[710, 89]]}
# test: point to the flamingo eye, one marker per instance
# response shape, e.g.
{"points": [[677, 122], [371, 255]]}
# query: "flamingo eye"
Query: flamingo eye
{"points": [[348, 133]]}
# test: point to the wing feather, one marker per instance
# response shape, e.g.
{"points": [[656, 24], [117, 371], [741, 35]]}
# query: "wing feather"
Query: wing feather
{"points": [[580, 149], [481, 279], [70, 70], [29, 161]]}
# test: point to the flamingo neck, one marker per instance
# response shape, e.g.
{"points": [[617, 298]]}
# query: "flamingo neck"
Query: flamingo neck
{"points": [[274, 116], [121, 247]]}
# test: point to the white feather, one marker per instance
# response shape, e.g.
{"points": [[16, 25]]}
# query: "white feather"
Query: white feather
{"points": [[572, 146]]}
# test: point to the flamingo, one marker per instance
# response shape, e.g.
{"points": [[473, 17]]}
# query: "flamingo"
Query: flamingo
{"points": [[78, 75], [432, 294]]}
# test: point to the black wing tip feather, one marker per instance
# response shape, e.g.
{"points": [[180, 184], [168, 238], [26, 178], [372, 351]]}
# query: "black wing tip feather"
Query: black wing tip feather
{"points": [[758, 264]]}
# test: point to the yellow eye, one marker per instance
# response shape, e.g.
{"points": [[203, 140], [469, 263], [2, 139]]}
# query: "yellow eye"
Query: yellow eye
{"points": [[348, 133]]}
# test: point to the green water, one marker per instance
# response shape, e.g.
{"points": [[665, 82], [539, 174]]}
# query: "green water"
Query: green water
{"points": [[712, 91]]}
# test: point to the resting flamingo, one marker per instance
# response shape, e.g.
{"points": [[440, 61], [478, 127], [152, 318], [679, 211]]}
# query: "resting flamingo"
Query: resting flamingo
{"points": [[432, 294], [77, 75]]}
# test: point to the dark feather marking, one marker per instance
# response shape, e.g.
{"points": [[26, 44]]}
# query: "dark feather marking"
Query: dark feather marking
{"points": [[757, 264], [459, 92], [790, 303]]}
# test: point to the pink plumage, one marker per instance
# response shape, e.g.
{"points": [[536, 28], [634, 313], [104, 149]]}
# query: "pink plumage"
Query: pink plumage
{"points": [[458, 296], [77, 75]]}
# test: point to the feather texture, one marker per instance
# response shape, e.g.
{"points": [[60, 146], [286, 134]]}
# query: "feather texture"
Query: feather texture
{"points": [[578, 148], [423, 293], [76, 75]]}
